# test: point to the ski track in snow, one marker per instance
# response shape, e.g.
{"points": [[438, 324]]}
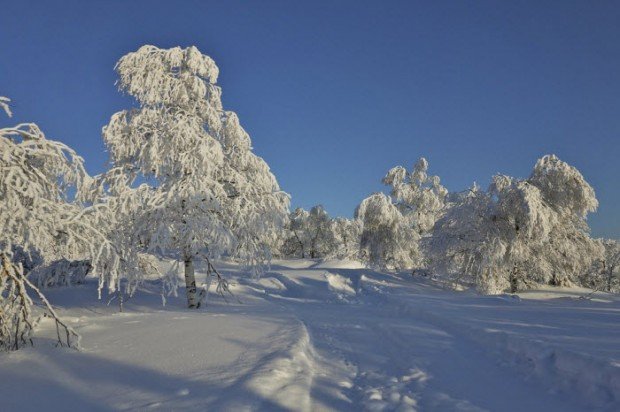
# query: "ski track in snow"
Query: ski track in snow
{"points": [[323, 337]]}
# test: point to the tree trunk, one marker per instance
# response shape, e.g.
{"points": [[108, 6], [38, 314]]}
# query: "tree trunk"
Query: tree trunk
{"points": [[301, 245], [120, 301], [190, 284], [514, 283], [609, 274]]}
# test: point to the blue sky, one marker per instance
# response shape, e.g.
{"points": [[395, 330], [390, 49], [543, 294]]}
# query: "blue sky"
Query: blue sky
{"points": [[335, 93]]}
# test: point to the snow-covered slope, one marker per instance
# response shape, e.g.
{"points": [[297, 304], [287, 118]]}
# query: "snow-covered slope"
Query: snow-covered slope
{"points": [[328, 336]]}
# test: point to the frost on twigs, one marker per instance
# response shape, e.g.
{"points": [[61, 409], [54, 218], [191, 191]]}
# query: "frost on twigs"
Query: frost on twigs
{"points": [[17, 321], [4, 105], [223, 285]]}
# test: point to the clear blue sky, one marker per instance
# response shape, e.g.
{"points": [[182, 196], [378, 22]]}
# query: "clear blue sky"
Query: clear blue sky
{"points": [[334, 93]]}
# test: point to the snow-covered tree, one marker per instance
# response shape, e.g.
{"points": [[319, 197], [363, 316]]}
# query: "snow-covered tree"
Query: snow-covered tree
{"points": [[346, 234], [206, 193], [387, 241], [460, 236], [314, 234], [416, 199], [420, 197], [570, 251], [297, 239], [519, 231], [39, 212], [608, 268], [309, 234]]}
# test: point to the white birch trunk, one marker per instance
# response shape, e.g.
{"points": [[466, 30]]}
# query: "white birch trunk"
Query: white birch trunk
{"points": [[190, 284]]}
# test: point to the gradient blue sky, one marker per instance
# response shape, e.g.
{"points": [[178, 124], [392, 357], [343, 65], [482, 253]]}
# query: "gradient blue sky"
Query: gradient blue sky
{"points": [[335, 93]]}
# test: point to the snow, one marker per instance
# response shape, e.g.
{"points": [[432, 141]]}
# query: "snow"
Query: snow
{"points": [[339, 264], [340, 285], [324, 336]]}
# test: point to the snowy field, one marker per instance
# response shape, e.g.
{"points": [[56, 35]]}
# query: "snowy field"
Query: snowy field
{"points": [[325, 336]]}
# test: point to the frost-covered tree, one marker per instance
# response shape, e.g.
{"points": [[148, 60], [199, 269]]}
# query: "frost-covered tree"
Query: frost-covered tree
{"points": [[416, 199], [309, 234], [40, 212], [346, 234], [387, 241], [314, 234], [612, 265], [609, 266], [206, 193], [420, 197], [519, 231], [458, 244], [570, 250], [293, 243]]}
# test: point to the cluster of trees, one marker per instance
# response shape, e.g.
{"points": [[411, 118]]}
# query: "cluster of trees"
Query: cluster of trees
{"points": [[183, 182], [517, 233], [522, 231], [313, 234]]}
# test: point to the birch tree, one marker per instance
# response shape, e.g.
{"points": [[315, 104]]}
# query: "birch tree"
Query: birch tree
{"points": [[206, 193]]}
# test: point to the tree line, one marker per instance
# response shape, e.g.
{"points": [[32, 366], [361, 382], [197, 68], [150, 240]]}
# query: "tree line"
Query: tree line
{"points": [[516, 234]]}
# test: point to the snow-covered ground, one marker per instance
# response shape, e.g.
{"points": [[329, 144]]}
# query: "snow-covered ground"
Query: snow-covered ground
{"points": [[326, 336]]}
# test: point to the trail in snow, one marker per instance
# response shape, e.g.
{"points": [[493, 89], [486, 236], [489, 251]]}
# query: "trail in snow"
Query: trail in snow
{"points": [[398, 361], [327, 336]]}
